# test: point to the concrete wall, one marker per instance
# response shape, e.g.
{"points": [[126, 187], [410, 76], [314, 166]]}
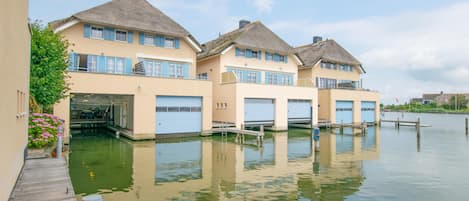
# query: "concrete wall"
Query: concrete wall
{"points": [[328, 98], [144, 91], [129, 50], [233, 94], [14, 87]]}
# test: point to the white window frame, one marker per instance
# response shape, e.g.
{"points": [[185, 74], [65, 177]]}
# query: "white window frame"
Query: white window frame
{"points": [[251, 77], [126, 35], [145, 39], [96, 27], [167, 44]]}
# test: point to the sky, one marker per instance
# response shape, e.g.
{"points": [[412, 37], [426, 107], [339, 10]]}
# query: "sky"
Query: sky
{"points": [[406, 47]]}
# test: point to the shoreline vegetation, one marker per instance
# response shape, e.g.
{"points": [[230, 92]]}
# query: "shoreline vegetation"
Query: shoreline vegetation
{"points": [[429, 108]]}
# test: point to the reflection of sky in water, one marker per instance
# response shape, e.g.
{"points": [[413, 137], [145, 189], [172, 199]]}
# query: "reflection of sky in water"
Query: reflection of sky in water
{"points": [[256, 156], [344, 143], [369, 140], [178, 161], [299, 147]]}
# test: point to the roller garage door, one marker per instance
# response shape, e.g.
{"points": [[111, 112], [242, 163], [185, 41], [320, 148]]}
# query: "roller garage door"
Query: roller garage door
{"points": [[344, 112], [258, 110], [368, 111], [299, 110], [178, 114]]}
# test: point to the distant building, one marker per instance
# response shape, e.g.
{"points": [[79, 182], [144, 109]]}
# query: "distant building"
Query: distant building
{"points": [[438, 98]]}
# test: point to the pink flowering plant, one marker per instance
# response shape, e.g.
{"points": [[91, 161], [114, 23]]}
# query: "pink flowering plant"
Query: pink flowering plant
{"points": [[43, 130]]}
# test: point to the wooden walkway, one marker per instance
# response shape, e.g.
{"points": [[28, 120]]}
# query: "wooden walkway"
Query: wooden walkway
{"points": [[44, 180]]}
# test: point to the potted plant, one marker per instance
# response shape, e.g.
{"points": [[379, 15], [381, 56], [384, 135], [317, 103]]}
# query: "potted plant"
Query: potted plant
{"points": [[42, 134]]}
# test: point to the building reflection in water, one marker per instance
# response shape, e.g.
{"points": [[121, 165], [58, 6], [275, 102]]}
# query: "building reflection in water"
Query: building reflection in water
{"points": [[286, 167]]}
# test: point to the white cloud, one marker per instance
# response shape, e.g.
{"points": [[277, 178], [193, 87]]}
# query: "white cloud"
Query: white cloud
{"points": [[431, 47], [263, 5]]}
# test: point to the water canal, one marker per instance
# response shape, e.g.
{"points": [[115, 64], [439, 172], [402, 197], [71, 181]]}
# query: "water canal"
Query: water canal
{"points": [[386, 164]]}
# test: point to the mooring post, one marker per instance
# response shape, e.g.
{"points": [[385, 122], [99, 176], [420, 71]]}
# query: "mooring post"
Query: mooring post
{"points": [[262, 133], [417, 125], [242, 126], [467, 126], [397, 123]]}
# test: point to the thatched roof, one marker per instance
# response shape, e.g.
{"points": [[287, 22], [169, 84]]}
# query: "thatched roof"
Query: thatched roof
{"points": [[253, 35], [328, 51], [132, 14]]}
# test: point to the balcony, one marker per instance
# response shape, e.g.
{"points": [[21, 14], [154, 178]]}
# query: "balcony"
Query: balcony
{"points": [[139, 70], [231, 77]]}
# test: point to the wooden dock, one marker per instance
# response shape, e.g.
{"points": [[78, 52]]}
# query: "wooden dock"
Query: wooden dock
{"points": [[398, 123], [361, 126], [44, 180], [224, 129]]}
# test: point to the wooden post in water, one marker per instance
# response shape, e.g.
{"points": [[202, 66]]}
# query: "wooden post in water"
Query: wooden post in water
{"points": [[417, 125], [467, 126], [242, 126], [262, 133], [397, 123]]}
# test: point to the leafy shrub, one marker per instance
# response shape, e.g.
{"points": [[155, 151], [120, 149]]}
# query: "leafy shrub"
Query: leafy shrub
{"points": [[43, 130]]}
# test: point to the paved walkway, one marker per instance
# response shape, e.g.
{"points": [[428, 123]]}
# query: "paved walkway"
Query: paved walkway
{"points": [[44, 179]]}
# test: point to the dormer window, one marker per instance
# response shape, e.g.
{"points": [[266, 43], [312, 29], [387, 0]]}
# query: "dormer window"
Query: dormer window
{"points": [[345, 67], [121, 35], [328, 65], [97, 32]]}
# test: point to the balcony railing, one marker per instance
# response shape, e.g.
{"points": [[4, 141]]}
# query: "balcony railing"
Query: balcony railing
{"points": [[136, 72], [230, 77]]}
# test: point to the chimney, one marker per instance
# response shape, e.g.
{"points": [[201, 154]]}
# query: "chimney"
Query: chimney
{"points": [[317, 39], [243, 23]]}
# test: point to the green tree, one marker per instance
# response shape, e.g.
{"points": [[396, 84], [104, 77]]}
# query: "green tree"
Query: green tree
{"points": [[459, 102], [49, 62]]}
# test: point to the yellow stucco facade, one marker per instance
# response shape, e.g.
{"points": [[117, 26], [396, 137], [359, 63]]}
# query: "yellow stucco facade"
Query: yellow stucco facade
{"points": [[328, 97], [226, 90], [14, 87], [143, 89]]}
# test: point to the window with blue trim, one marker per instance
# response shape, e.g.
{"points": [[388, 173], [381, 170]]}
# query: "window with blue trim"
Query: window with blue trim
{"points": [[248, 53], [149, 40], [246, 76], [176, 70], [97, 32], [277, 78], [275, 57]]}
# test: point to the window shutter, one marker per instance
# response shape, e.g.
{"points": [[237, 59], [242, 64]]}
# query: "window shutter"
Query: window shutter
{"points": [[165, 69], [258, 77], [267, 77], [130, 37], [176, 43], [280, 79], [248, 53], [141, 38], [101, 64], [186, 71], [259, 55], [128, 66], [87, 31], [286, 58], [109, 34], [267, 56], [159, 41], [276, 57], [237, 53], [72, 65]]}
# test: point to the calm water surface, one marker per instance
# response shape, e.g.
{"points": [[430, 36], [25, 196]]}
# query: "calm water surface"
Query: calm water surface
{"points": [[386, 164]]}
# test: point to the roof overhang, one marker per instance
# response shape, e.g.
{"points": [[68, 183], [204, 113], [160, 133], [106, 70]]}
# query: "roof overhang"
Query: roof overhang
{"points": [[66, 25], [193, 44], [298, 60]]}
